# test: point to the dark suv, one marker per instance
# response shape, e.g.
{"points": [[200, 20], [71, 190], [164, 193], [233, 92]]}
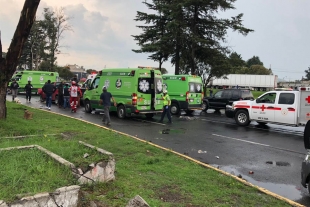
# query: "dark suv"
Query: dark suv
{"points": [[226, 97]]}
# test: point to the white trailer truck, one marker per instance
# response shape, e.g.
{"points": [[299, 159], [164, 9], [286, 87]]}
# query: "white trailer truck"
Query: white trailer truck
{"points": [[254, 82]]}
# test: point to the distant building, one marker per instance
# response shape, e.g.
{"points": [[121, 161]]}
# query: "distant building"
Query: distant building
{"points": [[78, 70]]}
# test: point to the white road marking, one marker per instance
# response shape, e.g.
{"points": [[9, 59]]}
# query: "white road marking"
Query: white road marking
{"points": [[260, 144], [256, 143]]}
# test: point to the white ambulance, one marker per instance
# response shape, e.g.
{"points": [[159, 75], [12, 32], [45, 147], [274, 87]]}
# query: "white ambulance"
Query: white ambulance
{"points": [[290, 108]]}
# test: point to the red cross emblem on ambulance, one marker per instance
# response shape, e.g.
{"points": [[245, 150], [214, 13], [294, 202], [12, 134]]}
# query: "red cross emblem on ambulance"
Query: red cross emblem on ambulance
{"points": [[263, 107], [308, 99]]}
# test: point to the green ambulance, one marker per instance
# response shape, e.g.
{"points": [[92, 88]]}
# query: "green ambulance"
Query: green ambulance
{"points": [[135, 90], [185, 91], [37, 78]]}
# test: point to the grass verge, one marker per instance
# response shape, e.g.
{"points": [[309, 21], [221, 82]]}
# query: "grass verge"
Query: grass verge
{"points": [[24, 172], [160, 177]]}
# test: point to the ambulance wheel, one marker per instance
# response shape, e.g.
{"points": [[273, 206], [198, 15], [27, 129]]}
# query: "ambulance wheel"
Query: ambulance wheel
{"points": [[204, 106], [41, 98], [307, 135], [149, 116], [88, 108], [121, 111], [175, 109], [242, 118]]}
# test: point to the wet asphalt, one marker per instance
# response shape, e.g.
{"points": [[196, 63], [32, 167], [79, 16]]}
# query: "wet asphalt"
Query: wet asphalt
{"points": [[273, 153]]}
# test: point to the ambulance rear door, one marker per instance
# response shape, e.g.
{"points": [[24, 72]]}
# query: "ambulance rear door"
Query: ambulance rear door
{"points": [[304, 105]]}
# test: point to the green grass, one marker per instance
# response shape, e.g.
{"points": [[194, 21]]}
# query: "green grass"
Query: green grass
{"points": [[26, 172], [160, 177]]}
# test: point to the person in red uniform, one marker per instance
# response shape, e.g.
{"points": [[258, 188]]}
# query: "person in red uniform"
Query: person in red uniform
{"points": [[74, 91]]}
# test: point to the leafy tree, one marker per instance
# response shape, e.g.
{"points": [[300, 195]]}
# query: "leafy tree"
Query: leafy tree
{"points": [[192, 30], [33, 49], [253, 61], [307, 74], [236, 62], [259, 70], [64, 72], [154, 39], [55, 24]]}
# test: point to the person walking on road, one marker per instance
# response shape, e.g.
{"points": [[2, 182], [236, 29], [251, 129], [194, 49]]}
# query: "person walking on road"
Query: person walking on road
{"points": [[14, 89], [166, 108], [49, 89], [75, 91], [28, 89], [61, 94], [211, 92], [105, 100], [66, 95]]}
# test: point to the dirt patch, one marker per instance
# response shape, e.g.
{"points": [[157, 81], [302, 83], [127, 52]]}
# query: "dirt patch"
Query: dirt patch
{"points": [[171, 194]]}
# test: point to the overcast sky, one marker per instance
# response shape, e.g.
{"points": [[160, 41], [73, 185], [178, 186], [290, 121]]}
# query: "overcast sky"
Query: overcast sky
{"points": [[103, 29]]}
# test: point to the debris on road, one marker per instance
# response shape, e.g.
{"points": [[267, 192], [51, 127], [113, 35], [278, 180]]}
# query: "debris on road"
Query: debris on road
{"points": [[217, 157], [251, 172], [188, 118], [200, 151]]}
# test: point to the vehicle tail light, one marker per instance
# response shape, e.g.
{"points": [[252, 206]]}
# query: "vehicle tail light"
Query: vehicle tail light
{"points": [[134, 99], [187, 96], [183, 78], [302, 89]]}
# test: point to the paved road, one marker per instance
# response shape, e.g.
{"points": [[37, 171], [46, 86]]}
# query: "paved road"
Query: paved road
{"points": [[274, 153]]}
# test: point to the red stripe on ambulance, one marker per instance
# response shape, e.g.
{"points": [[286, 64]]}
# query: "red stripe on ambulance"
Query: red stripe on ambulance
{"points": [[242, 106]]}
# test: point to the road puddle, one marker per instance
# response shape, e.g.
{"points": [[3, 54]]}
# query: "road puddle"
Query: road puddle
{"points": [[288, 191]]}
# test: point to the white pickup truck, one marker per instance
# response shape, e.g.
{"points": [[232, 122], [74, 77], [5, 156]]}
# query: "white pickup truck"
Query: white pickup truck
{"points": [[278, 107]]}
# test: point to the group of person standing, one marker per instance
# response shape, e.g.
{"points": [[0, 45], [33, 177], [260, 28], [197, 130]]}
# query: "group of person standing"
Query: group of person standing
{"points": [[67, 95]]}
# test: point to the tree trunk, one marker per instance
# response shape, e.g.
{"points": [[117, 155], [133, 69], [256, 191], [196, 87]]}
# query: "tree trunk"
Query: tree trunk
{"points": [[195, 35], [9, 64]]}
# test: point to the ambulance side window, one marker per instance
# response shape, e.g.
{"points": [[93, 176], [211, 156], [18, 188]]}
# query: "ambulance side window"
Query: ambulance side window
{"points": [[286, 98], [267, 98], [95, 83]]}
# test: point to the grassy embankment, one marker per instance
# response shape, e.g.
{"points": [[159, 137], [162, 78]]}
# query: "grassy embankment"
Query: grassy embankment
{"points": [[160, 177]]}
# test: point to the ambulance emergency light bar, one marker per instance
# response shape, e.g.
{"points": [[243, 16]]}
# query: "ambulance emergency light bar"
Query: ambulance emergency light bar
{"points": [[148, 67]]}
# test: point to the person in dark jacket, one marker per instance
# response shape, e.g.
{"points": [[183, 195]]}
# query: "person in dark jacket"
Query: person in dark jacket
{"points": [[105, 100], [14, 89], [28, 89], [49, 89], [61, 95], [66, 95]]}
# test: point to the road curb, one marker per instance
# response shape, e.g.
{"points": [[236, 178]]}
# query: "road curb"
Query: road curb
{"points": [[263, 190]]}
